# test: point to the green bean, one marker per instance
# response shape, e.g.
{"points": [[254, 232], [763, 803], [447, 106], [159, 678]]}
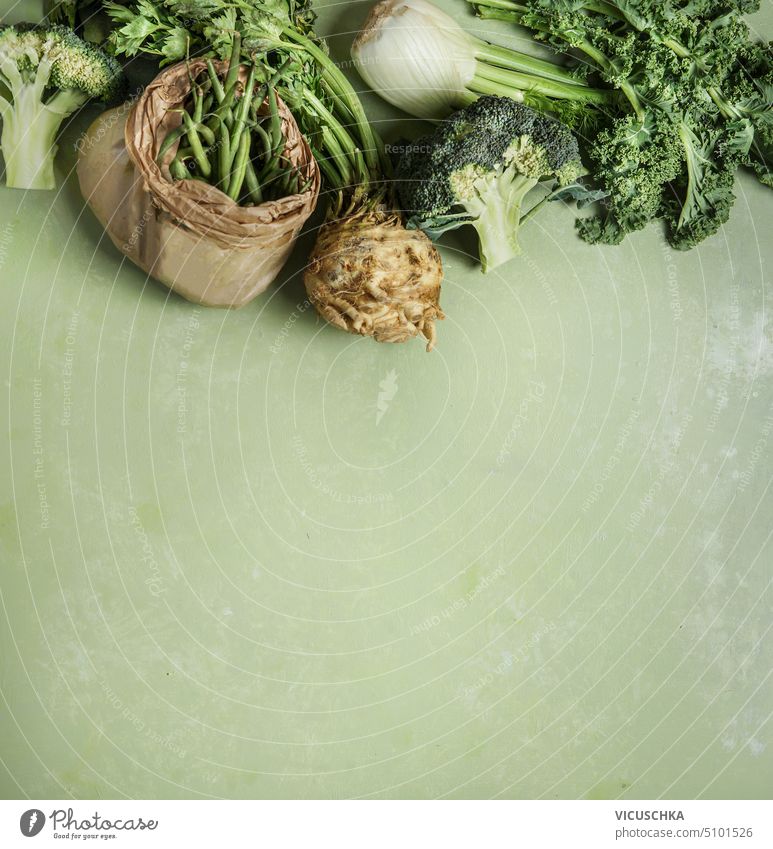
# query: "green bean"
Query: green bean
{"points": [[217, 86], [269, 169], [230, 86], [279, 182], [195, 142], [204, 131], [276, 121], [277, 140], [276, 77], [178, 170], [247, 95], [216, 136], [211, 121], [191, 82], [176, 134], [231, 82], [171, 138], [260, 95], [224, 158], [286, 184], [202, 128], [239, 167], [233, 63], [264, 140], [198, 103], [228, 100], [253, 186], [240, 112], [224, 109]]}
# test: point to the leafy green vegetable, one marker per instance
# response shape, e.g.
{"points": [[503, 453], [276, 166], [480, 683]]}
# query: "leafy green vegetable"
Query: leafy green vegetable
{"points": [[86, 17], [699, 92], [156, 26]]}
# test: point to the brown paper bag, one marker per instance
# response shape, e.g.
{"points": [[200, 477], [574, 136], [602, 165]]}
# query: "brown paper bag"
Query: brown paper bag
{"points": [[190, 236]]}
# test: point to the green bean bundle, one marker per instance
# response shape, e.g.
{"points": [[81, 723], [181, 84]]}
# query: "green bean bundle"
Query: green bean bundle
{"points": [[231, 134]]}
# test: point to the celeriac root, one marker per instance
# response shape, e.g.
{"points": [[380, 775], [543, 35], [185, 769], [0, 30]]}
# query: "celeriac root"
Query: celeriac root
{"points": [[369, 275]]}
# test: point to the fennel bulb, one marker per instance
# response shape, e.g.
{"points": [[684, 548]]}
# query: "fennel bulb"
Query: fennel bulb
{"points": [[421, 60]]}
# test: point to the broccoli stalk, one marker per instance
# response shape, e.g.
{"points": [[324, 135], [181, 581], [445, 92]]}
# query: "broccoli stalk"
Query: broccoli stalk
{"points": [[30, 126], [493, 202], [45, 76]]}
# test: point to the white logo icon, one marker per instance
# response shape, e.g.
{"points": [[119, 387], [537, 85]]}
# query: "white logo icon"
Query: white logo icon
{"points": [[388, 387]]}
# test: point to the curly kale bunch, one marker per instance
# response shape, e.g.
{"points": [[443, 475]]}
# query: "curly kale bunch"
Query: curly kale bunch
{"points": [[698, 105]]}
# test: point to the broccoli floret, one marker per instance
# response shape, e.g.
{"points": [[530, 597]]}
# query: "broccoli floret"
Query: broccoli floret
{"points": [[46, 74], [478, 168]]}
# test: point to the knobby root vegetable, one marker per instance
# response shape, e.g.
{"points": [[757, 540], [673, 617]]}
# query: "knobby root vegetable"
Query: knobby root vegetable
{"points": [[371, 276]]}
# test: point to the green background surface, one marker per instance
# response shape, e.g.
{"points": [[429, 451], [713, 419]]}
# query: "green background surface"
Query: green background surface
{"points": [[246, 555]]}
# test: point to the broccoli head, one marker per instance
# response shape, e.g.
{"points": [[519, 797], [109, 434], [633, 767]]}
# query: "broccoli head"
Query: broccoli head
{"points": [[479, 166], [46, 74]]}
